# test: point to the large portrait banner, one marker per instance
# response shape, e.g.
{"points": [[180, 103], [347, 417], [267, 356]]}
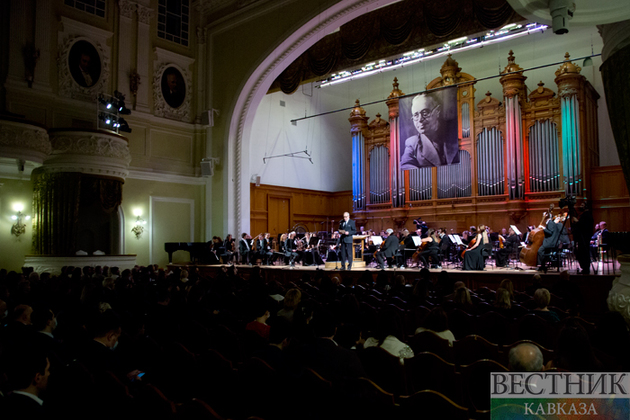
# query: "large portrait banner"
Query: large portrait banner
{"points": [[428, 129]]}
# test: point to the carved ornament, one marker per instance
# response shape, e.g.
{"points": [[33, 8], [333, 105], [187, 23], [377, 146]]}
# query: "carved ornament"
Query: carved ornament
{"points": [[127, 8], [23, 141], [358, 119], [145, 14], [161, 107], [67, 85], [568, 78], [201, 35], [396, 92], [513, 83], [88, 152], [450, 71]]}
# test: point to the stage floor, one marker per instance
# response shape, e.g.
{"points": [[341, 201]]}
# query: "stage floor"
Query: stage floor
{"points": [[594, 287]]}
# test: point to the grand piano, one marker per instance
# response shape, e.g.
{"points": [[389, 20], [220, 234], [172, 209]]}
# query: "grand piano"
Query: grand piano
{"points": [[199, 251]]}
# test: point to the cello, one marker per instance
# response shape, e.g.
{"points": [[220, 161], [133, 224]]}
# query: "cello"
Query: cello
{"points": [[529, 254]]}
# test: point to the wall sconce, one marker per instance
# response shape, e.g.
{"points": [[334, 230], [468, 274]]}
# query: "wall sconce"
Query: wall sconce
{"points": [[138, 228], [19, 227]]}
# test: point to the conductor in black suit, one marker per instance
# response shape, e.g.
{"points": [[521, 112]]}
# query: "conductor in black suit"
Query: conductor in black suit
{"points": [[347, 229]]}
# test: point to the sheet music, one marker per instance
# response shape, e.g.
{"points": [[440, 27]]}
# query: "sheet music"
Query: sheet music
{"points": [[515, 229], [416, 240], [456, 239], [377, 240]]}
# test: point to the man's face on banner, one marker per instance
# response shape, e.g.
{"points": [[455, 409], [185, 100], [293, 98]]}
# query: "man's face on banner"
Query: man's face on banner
{"points": [[425, 114]]}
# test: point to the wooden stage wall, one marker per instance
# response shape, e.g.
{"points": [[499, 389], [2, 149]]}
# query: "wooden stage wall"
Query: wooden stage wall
{"points": [[277, 209], [611, 200]]}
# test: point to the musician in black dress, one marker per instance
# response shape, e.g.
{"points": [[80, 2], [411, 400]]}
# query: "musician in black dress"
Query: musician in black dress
{"points": [[387, 250], [473, 260], [430, 246]]}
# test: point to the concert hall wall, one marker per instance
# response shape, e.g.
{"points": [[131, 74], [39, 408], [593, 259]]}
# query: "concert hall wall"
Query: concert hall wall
{"points": [[278, 209]]}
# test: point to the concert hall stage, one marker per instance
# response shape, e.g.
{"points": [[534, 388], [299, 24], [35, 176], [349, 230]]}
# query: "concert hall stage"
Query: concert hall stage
{"points": [[594, 288]]}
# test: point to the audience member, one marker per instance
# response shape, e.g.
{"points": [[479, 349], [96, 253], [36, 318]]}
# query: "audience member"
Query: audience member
{"points": [[542, 297], [387, 336], [291, 301], [525, 357], [28, 371], [437, 322], [259, 324]]}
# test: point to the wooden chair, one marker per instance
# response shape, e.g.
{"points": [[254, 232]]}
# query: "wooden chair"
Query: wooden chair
{"points": [[384, 369], [429, 371], [369, 401], [476, 382], [474, 347], [220, 391], [431, 404], [262, 390], [430, 342], [316, 395], [493, 326], [532, 327], [153, 404], [197, 409], [460, 323]]}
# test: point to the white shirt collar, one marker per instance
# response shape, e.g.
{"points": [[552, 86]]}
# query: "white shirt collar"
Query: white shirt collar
{"points": [[28, 394]]}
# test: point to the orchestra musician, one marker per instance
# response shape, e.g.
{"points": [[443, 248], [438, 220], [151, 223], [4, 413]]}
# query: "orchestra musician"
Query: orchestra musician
{"points": [[582, 230], [290, 249], [347, 229], [473, 259], [244, 248], [310, 255], [430, 247], [229, 246], [264, 248], [552, 231], [445, 244], [406, 248], [387, 250], [334, 249], [511, 243]]}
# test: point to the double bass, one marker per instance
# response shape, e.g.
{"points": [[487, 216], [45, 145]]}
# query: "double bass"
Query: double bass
{"points": [[529, 254]]}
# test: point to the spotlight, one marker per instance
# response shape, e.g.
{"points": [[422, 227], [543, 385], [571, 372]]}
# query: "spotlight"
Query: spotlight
{"points": [[122, 109], [124, 126]]}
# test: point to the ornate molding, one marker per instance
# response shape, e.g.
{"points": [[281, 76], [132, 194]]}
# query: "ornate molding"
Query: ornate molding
{"points": [[268, 72], [127, 8], [161, 107], [23, 141], [202, 34], [88, 152], [145, 14], [67, 85]]}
